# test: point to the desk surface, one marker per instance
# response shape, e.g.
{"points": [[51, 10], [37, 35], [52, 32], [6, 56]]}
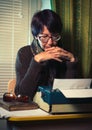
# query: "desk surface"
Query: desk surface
{"points": [[51, 117], [50, 122], [38, 114], [33, 119]]}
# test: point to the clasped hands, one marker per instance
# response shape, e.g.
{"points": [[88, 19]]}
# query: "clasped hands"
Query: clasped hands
{"points": [[55, 53]]}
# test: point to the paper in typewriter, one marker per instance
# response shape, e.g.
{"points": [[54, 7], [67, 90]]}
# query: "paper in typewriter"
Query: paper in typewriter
{"points": [[74, 88]]}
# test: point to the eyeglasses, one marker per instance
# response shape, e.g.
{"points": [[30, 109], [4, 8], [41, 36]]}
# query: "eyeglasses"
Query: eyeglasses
{"points": [[9, 97], [44, 38]]}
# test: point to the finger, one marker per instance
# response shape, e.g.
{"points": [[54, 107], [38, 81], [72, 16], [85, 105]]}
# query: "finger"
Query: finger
{"points": [[57, 59], [64, 51], [50, 49]]}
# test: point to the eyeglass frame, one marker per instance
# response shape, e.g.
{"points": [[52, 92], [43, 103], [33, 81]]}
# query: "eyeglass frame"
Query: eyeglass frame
{"points": [[53, 36]]}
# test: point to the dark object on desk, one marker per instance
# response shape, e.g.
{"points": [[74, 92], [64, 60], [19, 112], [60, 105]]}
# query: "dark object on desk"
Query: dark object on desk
{"points": [[9, 97], [16, 105]]}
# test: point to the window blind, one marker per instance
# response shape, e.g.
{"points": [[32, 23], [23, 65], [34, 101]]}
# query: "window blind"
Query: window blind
{"points": [[13, 35]]}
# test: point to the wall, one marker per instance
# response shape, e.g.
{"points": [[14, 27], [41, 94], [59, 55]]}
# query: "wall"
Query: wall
{"points": [[46, 4]]}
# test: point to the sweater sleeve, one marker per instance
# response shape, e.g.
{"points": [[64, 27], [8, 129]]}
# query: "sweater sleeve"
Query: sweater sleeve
{"points": [[27, 74], [72, 69]]}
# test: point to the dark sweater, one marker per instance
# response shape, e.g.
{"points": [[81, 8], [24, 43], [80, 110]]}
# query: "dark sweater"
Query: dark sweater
{"points": [[30, 74]]}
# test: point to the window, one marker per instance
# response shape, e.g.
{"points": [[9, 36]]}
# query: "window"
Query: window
{"points": [[14, 33]]}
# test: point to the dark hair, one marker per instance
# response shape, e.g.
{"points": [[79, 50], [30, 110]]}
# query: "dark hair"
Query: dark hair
{"points": [[48, 18]]}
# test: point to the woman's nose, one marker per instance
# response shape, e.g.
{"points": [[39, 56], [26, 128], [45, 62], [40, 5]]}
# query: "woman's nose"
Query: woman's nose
{"points": [[50, 41]]}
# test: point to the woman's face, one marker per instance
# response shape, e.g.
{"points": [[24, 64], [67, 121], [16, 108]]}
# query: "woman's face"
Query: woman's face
{"points": [[47, 40]]}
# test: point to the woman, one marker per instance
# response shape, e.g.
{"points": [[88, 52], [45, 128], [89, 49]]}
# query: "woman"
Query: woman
{"points": [[45, 59]]}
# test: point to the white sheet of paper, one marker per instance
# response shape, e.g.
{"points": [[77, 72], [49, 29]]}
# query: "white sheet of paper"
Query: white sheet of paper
{"points": [[77, 93], [74, 88], [72, 83], [23, 113]]}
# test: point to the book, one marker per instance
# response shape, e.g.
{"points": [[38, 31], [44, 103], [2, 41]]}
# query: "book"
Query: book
{"points": [[15, 105]]}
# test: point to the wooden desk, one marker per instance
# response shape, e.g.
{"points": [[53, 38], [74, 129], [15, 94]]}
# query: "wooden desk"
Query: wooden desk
{"points": [[51, 122], [48, 122], [51, 117]]}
